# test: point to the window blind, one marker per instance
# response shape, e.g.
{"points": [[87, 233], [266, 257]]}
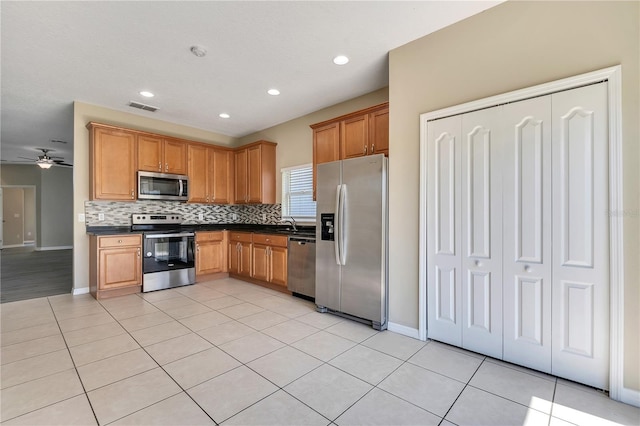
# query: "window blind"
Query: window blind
{"points": [[297, 193]]}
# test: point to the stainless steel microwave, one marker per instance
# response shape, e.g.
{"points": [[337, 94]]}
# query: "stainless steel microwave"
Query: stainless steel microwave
{"points": [[162, 186]]}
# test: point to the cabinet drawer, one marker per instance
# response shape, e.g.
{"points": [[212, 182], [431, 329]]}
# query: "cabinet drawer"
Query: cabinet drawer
{"points": [[209, 236], [240, 236], [120, 241], [270, 240]]}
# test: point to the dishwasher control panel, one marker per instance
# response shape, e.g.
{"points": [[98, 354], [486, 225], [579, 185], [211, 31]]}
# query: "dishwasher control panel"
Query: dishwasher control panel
{"points": [[327, 226]]}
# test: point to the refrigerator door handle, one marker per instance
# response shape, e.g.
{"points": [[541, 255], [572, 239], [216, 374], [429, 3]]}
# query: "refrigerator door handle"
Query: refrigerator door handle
{"points": [[343, 230], [336, 226]]}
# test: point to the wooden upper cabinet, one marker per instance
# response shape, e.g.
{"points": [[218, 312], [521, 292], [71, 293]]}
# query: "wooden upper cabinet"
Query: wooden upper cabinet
{"points": [[210, 174], [112, 154], [162, 155], [198, 174], [150, 153], [379, 132], [241, 177], [255, 173], [359, 133], [354, 137], [175, 156], [222, 176]]}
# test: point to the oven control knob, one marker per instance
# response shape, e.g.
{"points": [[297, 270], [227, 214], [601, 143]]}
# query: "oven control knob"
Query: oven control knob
{"points": [[149, 254]]}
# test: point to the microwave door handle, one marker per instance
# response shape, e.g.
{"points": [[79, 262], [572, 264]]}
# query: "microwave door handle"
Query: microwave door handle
{"points": [[180, 188], [174, 235]]}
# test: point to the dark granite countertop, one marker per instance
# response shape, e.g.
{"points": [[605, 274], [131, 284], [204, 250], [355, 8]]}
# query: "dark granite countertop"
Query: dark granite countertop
{"points": [[274, 229]]}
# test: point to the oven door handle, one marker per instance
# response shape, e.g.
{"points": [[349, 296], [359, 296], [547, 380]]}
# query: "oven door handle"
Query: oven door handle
{"points": [[180, 234]]}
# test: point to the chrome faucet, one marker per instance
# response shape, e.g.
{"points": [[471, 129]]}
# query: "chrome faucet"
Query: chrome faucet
{"points": [[292, 222]]}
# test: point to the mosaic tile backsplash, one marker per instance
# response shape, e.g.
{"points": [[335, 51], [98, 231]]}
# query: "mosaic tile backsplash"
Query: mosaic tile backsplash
{"points": [[118, 213]]}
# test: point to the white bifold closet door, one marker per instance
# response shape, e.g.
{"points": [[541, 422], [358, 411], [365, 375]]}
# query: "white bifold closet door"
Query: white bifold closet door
{"points": [[518, 244], [580, 287], [527, 233], [444, 256], [482, 232]]}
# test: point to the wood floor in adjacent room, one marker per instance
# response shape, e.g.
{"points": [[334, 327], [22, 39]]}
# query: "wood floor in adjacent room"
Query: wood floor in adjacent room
{"points": [[29, 274]]}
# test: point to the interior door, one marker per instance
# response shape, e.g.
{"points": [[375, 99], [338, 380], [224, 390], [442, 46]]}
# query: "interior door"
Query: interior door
{"points": [[482, 232], [444, 285], [527, 233], [580, 349]]}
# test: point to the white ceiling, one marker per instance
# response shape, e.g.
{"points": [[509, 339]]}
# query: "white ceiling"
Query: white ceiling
{"points": [[104, 53]]}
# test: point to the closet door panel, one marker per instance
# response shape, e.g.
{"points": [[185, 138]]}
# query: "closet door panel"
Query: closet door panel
{"points": [[527, 233], [580, 312], [444, 303], [482, 232]]}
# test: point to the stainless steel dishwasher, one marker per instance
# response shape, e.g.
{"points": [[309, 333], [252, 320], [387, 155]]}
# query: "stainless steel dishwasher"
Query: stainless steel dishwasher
{"points": [[301, 279]]}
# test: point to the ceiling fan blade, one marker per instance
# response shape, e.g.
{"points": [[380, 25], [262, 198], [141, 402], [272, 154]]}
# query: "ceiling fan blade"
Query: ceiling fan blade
{"points": [[32, 159]]}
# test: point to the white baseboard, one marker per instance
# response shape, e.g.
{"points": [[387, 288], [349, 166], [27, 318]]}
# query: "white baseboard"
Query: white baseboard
{"points": [[630, 396], [53, 248], [404, 330], [83, 290], [12, 246]]}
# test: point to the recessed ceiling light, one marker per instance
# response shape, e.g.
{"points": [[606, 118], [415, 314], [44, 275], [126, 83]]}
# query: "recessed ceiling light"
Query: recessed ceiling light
{"points": [[340, 60], [199, 51], [273, 92], [147, 94], [224, 115]]}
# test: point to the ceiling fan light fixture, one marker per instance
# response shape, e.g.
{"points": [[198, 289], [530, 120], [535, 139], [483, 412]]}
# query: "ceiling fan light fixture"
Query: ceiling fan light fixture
{"points": [[45, 164]]}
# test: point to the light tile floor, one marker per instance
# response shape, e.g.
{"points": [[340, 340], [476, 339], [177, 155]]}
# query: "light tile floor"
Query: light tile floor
{"points": [[230, 352]]}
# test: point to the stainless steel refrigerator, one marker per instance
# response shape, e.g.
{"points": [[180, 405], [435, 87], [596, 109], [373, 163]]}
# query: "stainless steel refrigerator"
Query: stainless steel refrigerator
{"points": [[351, 239]]}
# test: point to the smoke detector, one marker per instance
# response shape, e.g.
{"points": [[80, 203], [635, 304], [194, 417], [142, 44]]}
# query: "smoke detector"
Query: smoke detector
{"points": [[199, 51]]}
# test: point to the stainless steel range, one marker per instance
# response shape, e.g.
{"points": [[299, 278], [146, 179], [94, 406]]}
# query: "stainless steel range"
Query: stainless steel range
{"points": [[168, 250]]}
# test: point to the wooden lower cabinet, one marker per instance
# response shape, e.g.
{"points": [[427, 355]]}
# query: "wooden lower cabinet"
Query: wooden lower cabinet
{"points": [[115, 265], [259, 258], [211, 252], [270, 258], [240, 244]]}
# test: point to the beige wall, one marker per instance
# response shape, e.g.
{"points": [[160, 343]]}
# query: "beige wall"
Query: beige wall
{"points": [[295, 138], [511, 46], [84, 113]]}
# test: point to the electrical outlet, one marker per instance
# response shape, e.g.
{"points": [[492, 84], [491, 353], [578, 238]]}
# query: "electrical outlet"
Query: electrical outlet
{"points": [[81, 217], [264, 217], [100, 216], [200, 216]]}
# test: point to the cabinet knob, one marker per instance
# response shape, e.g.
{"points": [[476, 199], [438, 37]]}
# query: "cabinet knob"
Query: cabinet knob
{"points": [[159, 166], [197, 247], [373, 148], [365, 150], [119, 241], [166, 166], [132, 194], [477, 262], [527, 268], [138, 252]]}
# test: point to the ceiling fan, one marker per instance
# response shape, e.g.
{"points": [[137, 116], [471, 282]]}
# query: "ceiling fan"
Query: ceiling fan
{"points": [[45, 161]]}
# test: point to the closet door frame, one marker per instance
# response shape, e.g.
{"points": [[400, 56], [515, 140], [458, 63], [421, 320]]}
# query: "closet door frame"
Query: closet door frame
{"points": [[616, 251]]}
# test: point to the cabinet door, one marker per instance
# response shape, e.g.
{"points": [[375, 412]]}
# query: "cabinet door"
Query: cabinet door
{"points": [[198, 174], [254, 171], [175, 156], [379, 132], [326, 147], [150, 153], [119, 267], [278, 266], [234, 257], [354, 137], [222, 176], [113, 162], [260, 262], [240, 181], [209, 257], [244, 264]]}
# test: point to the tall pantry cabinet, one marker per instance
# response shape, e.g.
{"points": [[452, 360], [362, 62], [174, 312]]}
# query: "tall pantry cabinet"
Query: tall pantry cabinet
{"points": [[517, 244]]}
